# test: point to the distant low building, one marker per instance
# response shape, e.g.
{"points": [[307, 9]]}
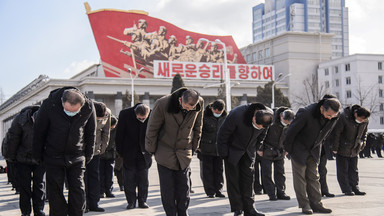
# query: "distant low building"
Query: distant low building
{"points": [[356, 79]]}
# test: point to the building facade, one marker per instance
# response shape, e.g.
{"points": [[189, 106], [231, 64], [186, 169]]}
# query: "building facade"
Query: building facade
{"points": [[297, 54], [356, 79], [327, 16]]}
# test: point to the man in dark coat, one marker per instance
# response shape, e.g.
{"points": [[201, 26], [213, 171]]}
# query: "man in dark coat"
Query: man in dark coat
{"points": [[64, 139], [212, 164], [130, 144], [107, 160], [348, 139], [173, 135], [28, 169], [272, 152], [236, 143], [304, 139]]}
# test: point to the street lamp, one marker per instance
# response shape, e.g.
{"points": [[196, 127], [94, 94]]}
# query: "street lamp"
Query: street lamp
{"points": [[132, 84], [227, 78], [273, 87]]}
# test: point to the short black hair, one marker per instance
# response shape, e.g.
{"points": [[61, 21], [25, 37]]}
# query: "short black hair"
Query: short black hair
{"points": [[362, 112], [218, 105], [264, 117], [100, 108], [288, 115], [331, 103], [141, 109], [73, 96], [190, 96]]}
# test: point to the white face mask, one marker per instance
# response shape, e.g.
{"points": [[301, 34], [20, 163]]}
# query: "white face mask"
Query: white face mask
{"points": [[283, 123], [257, 128], [217, 115], [357, 121]]}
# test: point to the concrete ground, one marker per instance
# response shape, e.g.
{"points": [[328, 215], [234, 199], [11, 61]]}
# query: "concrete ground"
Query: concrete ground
{"points": [[371, 181]]}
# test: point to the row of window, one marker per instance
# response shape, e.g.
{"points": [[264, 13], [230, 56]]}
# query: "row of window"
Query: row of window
{"points": [[348, 68], [381, 95], [259, 55], [348, 81]]}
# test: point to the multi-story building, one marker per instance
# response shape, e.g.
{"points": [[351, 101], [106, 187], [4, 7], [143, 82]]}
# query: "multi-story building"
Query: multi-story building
{"points": [[297, 54], [356, 79], [327, 16]]}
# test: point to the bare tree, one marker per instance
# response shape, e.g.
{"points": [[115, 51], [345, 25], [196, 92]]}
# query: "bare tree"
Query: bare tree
{"points": [[367, 97], [312, 92]]}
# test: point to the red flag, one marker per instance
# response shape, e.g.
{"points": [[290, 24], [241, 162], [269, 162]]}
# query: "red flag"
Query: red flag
{"points": [[131, 40]]}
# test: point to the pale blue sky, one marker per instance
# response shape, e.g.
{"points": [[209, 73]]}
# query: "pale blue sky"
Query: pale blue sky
{"points": [[55, 38]]}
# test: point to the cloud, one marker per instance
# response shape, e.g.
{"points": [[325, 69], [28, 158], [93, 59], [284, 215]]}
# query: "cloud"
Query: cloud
{"points": [[77, 67]]}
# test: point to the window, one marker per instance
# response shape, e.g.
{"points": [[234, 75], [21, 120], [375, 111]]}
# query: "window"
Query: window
{"points": [[348, 80], [381, 107], [336, 69], [349, 94], [267, 54], [382, 120], [326, 71], [260, 54], [380, 92], [347, 67], [337, 82], [326, 84], [254, 56], [380, 65], [380, 79]]}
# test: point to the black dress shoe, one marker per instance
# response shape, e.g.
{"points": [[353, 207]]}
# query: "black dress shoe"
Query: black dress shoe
{"points": [[273, 198], [349, 194], [211, 196], [238, 212], [143, 205], [131, 206], [101, 195], [359, 193], [110, 195], [220, 195], [321, 209], [283, 197], [97, 209], [253, 212], [328, 194]]}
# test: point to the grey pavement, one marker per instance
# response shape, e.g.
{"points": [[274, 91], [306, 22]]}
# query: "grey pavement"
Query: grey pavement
{"points": [[371, 181]]}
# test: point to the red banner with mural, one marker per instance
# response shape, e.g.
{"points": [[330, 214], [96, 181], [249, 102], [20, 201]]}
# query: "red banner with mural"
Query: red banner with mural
{"points": [[130, 41]]}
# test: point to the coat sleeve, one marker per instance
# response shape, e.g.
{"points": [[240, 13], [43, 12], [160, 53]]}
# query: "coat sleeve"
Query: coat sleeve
{"points": [[120, 129], [15, 134], [105, 134], [294, 129], [40, 131], [336, 133], [197, 128], [224, 135], [155, 122], [90, 135]]}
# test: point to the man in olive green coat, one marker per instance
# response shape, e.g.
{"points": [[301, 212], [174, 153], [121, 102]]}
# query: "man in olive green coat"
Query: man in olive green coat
{"points": [[173, 134]]}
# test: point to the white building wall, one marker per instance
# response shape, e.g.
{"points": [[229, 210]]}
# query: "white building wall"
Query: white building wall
{"points": [[363, 86]]}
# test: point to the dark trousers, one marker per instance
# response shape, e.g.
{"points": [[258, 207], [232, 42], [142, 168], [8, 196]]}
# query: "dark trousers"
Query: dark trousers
{"points": [[347, 173], [106, 175], [92, 182], [239, 184], [11, 174], [257, 184], [55, 175], [175, 190], [120, 178], [28, 174], [213, 180], [278, 176], [323, 174], [378, 150], [135, 177]]}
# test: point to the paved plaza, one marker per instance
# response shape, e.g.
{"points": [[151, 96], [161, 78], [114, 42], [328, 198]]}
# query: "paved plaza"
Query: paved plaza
{"points": [[371, 181]]}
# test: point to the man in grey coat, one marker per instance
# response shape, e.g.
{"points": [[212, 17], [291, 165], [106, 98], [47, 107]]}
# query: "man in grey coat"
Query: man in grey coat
{"points": [[173, 135]]}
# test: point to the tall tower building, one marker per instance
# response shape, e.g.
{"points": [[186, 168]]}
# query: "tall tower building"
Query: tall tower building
{"points": [[328, 16]]}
